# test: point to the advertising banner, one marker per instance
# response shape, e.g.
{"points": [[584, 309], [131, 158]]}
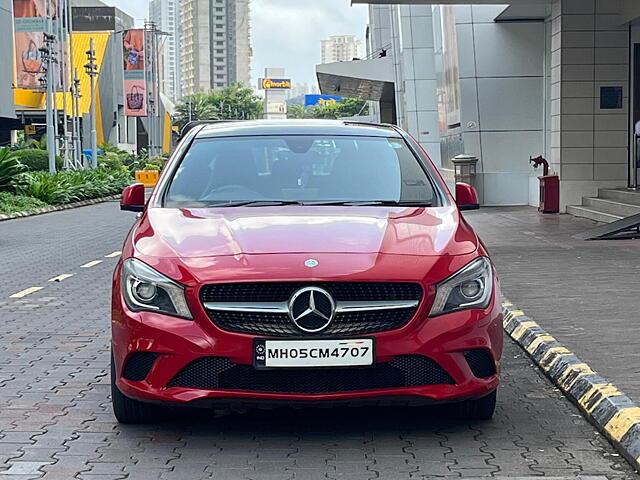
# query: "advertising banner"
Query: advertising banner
{"points": [[320, 100], [32, 18], [135, 89], [274, 83]]}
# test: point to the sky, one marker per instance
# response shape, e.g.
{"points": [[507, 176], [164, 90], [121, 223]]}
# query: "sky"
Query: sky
{"points": [[287, 33]]}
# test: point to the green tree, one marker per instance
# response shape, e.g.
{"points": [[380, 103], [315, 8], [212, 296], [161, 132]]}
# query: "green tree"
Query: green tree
{"points": [[235, 102], [296, 110], [195, 107], [347, 107]]}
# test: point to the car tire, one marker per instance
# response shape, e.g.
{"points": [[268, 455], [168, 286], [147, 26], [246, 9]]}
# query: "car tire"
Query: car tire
{"points": [[128, 410], [477, 409]]}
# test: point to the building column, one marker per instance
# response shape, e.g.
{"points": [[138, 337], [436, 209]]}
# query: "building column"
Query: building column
{"points": [[417, 83], [589, 53]]}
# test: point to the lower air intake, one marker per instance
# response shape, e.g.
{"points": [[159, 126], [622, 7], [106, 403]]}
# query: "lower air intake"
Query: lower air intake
{"points": [[219, 373], [138, 366], [481, 363]]}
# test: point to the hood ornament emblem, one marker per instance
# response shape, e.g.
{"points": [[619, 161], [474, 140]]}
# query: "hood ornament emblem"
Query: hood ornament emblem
{"points": [[311, 263]]}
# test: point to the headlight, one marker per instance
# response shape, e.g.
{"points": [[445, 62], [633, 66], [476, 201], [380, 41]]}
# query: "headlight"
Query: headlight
{"points": [[145, 289], [471, 287]]}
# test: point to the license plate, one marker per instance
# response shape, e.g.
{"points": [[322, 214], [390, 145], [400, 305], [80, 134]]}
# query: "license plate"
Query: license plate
{"points": [[312, 353]]}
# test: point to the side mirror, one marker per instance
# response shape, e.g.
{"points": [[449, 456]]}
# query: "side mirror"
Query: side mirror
{"points": [[133, 198], [466, 197]]}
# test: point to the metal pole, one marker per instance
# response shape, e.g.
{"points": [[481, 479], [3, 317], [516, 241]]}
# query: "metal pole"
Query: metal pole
{"points": [[635, 161], [77, 147], [64, 38], [152, 94], [51, 141], [154, 86], [148, 81], [56, 116], [92, 72]]}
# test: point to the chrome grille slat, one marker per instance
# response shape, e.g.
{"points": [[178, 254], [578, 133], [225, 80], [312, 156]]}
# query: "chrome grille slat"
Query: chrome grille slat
{"points": [[263, 308], [282, 307]]}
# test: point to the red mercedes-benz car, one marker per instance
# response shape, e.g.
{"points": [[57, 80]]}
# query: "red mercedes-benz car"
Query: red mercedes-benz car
{"points": [[302, 261]]}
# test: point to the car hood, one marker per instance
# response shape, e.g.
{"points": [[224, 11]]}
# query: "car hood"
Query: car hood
{"points": [[214, 232]]}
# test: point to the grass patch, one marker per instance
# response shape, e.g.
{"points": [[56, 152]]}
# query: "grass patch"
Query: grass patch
{"points": [[10, 203]]}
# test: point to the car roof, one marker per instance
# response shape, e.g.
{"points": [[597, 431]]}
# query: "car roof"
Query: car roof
{"points": [[296, 127]]}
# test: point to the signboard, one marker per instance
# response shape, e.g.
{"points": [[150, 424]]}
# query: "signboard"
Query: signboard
{"points": [[135, 85], [274, 83], [92, 19], [32, 18], [320, 100]]}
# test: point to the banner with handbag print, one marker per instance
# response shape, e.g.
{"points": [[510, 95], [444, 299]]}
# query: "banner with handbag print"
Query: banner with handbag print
{"points": [[135, 85], [31, 19]]}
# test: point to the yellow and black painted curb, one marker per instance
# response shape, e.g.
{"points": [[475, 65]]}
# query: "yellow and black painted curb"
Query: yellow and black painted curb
{"points": [[604, 405]]}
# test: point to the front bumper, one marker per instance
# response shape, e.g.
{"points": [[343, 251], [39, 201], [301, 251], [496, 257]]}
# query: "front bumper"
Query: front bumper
{"points": [[178, 342]]}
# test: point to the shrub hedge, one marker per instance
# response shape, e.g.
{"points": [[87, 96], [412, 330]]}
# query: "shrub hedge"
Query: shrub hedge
{"points": [[10, 203], [71, 186], [36, 160]]}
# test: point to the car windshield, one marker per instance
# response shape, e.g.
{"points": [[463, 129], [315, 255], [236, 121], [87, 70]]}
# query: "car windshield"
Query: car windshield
{"points": [[296, 169]]}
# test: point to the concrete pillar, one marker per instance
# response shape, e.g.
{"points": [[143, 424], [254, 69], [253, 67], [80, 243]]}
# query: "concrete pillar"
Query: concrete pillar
{"points": [[589, 52], [417, 85]]}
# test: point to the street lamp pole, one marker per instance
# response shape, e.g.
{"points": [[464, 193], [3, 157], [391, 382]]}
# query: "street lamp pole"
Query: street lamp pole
{"points": [[77, 144], [92, 70], [47, 79]]}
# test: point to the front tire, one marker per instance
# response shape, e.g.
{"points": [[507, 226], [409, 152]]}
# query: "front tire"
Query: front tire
{"points": [[477, 409], [128, 410]]}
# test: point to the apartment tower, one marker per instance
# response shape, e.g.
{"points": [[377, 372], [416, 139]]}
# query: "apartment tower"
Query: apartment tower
{"points": [[166, 15], [340, 48], [215, 43]]}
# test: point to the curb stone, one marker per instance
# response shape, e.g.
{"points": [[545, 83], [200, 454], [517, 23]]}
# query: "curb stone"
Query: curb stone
{"points": [[611, 411], [58, 208]]}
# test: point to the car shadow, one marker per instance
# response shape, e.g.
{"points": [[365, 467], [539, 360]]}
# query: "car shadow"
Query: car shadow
{"points": [[315, 420]]}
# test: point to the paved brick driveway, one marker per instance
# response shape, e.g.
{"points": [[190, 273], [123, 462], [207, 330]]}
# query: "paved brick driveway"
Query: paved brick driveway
{"points": [[56, 421], [585, 293]]}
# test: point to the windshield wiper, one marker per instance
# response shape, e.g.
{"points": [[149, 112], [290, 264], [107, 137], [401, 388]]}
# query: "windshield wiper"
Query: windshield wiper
{"points": [[254, 203], [367, 203], [353, 203]]}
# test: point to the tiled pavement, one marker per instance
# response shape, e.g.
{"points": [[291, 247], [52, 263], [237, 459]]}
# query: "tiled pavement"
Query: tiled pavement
{"points": [[56, 422], [585, 293]]}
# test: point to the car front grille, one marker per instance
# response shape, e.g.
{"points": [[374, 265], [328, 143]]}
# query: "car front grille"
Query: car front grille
{"points": [[278, 324], [211, 373]]}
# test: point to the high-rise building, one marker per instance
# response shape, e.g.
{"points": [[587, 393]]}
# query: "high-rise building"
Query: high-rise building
{"points": [[166, 15], [216, 44], [340, 48]]}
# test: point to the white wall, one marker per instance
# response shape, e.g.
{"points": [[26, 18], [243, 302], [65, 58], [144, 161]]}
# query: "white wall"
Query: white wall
{"points": [[418, 77], [502, 100]]}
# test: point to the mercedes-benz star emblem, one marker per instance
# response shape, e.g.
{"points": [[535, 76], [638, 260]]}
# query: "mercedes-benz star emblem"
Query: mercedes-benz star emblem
{"points": [[311, 309]]}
